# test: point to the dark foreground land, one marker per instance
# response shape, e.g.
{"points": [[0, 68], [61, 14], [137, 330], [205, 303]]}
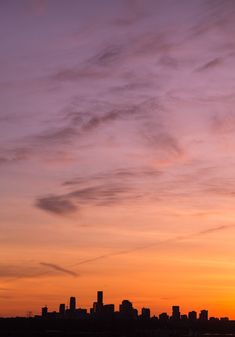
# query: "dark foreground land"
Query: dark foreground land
{"points": [[39, 327]]}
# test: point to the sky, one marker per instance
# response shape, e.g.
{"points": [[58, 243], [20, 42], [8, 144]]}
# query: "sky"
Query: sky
{"points": [[117, 145]]}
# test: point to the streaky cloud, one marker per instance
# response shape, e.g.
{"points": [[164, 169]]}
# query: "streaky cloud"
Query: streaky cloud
{"points": [[211, 64], [60, 205], [100, 195], [101, 189], [215, 229], [59, 268]]}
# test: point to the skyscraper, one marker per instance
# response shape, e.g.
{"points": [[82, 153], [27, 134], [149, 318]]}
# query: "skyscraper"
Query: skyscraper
{"points": [[192, 315], [203, 316], [127, 311], [100, 297], [62, 309], [145, 313], [98, 306], [126, 307], [44, 311], [72, 304], [176, 312]]}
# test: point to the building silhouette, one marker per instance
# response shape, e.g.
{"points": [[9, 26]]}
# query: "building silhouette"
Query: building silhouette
{"points": [[62, 309], [192, 315], [98, 305], [100, 297], [103, 320], [203, 316], [44, 311], [175, 312], [72, 304], [126, 312], [145, 313], [163, 317]]}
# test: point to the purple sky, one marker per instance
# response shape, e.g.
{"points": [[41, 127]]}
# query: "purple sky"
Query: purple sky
{"points": [[117, 129]]}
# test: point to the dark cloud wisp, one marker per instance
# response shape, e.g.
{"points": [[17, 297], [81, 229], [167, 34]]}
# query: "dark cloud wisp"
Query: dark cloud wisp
{"points": [[100, 195], [56, 204], [59, 268]]}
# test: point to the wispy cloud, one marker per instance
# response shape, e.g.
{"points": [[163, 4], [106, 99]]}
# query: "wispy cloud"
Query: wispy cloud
{"points": [[59, 268], [211, 64], [100, 195], [55, 136], [134, 109], [165, 142], [29, 270], [101, 189], [56, 204], [215, 229], [115, 175]]}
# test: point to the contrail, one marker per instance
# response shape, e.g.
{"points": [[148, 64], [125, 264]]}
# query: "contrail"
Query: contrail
{"points": [[215, 229], [123, 252], [177, 238]]}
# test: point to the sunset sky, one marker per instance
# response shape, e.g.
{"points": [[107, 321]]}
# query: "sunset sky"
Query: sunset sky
{"points": [[117, 157]]}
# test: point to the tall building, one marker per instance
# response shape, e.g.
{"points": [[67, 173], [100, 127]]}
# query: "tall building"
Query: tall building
{"points": [[145, 313], [126, 306], [62, 309], [100, 297], [98, 305], [192, 315], [203, 316], [44, 311], [175, 312], [127, 311], [72, 304]]}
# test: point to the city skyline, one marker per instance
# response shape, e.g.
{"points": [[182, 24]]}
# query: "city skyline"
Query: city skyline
{"points": [[104, 319], [126, 308], [72, 306], [117, 142]]}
